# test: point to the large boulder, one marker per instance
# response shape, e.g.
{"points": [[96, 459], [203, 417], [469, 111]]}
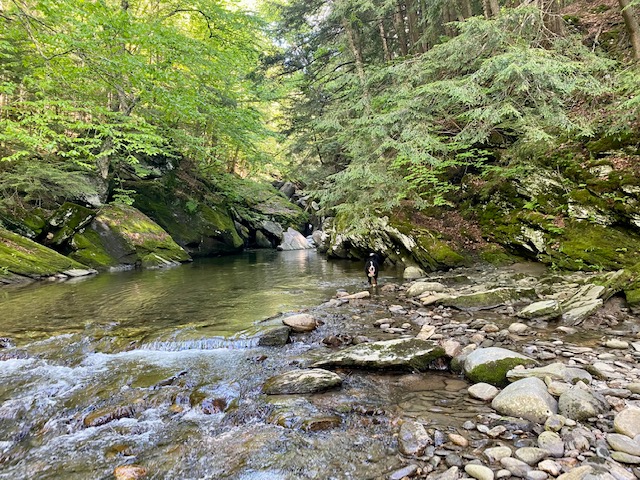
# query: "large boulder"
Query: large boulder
{"points": [[527, 398], [122, 236], [404, 353], [202, 226], [490, 365], [294, 240], [22, 259]]}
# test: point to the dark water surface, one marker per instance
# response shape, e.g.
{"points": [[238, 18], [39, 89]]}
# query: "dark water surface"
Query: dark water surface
{"points": [[128, 368], [210, 297]]}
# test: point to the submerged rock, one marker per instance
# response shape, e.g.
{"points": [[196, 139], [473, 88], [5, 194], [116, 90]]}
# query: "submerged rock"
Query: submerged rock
{"points": [[413, 439], [301, 381], [404, 353]]}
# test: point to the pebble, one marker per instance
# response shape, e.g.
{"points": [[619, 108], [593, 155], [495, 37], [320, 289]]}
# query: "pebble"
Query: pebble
{"points": [[408, 471], [551, 467], [483, 391], [615, 343], [531, 455], [536, 475], [496, 454], [480, 472], [552, 443], [622, 443], [458, 440], [515, 466], [626, 458]]}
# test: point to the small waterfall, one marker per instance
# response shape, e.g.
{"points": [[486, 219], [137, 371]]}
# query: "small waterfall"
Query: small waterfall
{"points": [[213, 343]]}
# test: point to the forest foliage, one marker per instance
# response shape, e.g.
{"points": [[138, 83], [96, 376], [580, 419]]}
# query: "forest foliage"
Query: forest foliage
{"points": [[400, 99], [90, 87], [381, 102]]}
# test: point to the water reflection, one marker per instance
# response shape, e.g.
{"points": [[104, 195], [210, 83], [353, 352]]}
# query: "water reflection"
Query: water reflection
{"points": [[210, 297]]}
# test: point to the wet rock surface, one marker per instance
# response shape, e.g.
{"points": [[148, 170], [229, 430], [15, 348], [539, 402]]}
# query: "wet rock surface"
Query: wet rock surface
{"points": [[567, 403], [408, 416]]}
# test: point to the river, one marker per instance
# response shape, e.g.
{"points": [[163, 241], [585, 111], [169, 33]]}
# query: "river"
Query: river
{"points": [[145, 368], [157, 369]]}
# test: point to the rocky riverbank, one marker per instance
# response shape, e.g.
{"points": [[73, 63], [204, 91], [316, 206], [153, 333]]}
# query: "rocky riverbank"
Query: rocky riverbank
{"points": [[561, 392]]}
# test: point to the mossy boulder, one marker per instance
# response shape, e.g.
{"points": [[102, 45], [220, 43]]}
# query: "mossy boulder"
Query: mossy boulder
{"points": [[200, 227], [21, 257], [399, 242], [490, 365], [65, 222], [401, 354], [121, 235]]}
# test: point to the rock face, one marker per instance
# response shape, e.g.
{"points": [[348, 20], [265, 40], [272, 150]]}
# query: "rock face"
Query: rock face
{"points": [[301, 381], [490, 365], [22, 259], [201, 227], [405, 353], [527, 398], [123, 236]]}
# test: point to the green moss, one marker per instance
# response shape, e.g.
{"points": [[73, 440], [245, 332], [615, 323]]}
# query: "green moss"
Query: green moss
{"points": [[633, 296], [21, 256], [495, 372], [66, 221], [594, 247], [89, 249], [144, 235]]}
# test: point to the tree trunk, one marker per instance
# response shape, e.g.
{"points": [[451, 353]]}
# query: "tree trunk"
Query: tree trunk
{"points": [[551, 16], [354, 45], [491, 8], [632, 27], [413, 25], [465, 8], [398, 22], [385, 43]]}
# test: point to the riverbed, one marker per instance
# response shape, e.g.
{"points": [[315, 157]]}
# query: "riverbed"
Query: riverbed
{"points": [[154, 370]]}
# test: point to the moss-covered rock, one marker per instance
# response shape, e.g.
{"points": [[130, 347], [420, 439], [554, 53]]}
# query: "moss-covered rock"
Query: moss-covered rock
{"points": [[68, 220], [201, 228], [123, 236], [490, 365], [402, 354], [22, 257]]}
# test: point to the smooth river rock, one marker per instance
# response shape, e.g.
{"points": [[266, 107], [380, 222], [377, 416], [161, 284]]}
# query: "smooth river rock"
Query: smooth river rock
{"points": [[627, 422], [402, 353], [300, 323], [301, 381], [579, 404], [527, 398], [490, 365]]}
